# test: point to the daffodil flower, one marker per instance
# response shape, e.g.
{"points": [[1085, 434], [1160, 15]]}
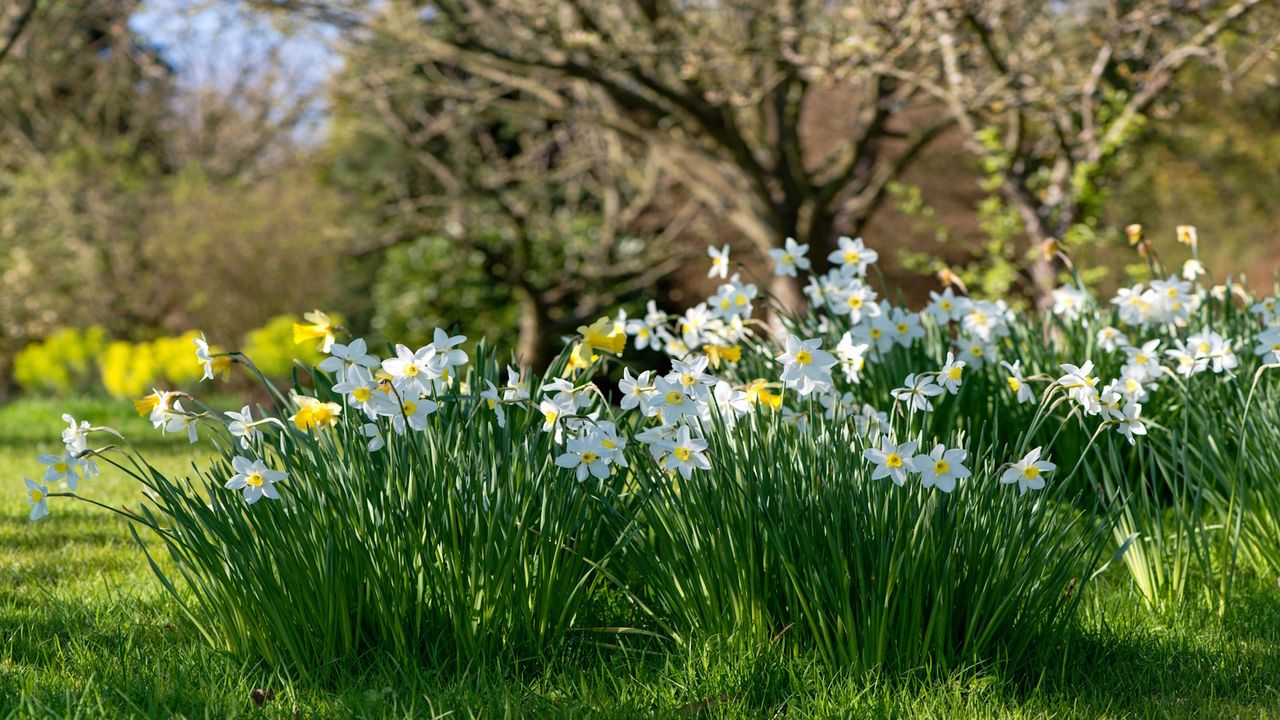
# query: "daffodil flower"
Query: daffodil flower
{"points": [[38, 496], [805, 366], [852, 256], [685, 453], [1029, 472], [719, 261], [213, 363], [891, 460], [941, 468], [951, 374], [789, 258], [255, 479], [314, 414], [318, 327]]}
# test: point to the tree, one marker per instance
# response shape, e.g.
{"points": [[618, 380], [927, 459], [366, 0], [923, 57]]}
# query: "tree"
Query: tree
{"points": [[502, 208], [1051, 95], [14, 16], [734, 99]]}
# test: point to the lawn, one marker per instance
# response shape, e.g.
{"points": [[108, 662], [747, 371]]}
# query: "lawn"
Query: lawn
{"points": [[86, 631]]}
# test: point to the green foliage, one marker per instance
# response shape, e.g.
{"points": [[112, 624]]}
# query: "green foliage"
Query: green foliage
{"points": [[444, 546], [793, 538], [407, 308]]}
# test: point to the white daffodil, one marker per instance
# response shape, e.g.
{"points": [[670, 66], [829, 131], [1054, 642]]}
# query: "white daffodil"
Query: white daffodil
{"points": [[361, 389], [1171, 300], [609, 444], [870, 421], [584, 459], [448, 355], [655, 439], [1132, 385], [951, 374], [1145, 360], [836, 404], [343, 358], [789, 258], [685, 453], [255, 479], [941, 467], [852, 256], [730, 402], [1213, 349], [692, 375], [858, 301], [1191, 270], [76, 435], [1111, 400], [1029, 472], [891, 461], [179, 420], [1186, 363], [1018, 383], [1110, 339], [38, 496], [1130, 422], [515, 389], [1068, 302], [1081, 386], [976, 352], [1267, 310], [61, 468], [554, 410], [673, 401], [494, 401], [242, 426], [906, 326], [1134, 304], [406, 411], [805, 366], [916, 391], [635, 389], [852, 357], [412, 371], [374, 433], [211, 362], [945, 307], [1268, 347], [719, 261], [691, 325]]}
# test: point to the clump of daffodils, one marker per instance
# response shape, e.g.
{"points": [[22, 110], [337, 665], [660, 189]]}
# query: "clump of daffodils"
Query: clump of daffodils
{"points": [[724, 365]]}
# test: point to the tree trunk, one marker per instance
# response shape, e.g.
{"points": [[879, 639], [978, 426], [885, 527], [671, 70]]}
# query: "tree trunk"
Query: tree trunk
{"points": [[532, 349]]}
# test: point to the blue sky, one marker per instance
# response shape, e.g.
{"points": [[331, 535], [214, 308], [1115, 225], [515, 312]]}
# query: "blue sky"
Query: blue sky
{"points": [[210, 43]]}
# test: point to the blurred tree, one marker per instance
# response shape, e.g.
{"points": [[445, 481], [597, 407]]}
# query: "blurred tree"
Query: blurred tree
{"points": [[498, 218], [141, 201], [733, 99], [1051, 95], [14, 16]]}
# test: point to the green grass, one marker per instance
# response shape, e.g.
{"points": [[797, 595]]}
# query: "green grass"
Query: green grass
{"points": [[86, 631]]}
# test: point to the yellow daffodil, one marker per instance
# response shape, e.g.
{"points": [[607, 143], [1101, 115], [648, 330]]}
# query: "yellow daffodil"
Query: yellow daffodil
{"points": [[717, 353], [605, 335], [317, 327], [314, 414], [759, 391], [580, 358], [146, 404], [1187, 235]]}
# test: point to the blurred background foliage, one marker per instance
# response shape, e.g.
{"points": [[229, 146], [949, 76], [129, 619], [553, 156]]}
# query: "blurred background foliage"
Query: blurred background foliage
{"points": [[170, 165]]}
